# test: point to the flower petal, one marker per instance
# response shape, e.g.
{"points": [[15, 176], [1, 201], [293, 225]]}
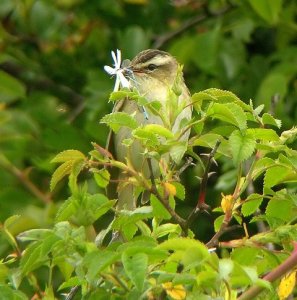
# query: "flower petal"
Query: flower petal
{"points": [[114, 58], [123, 79], [109, 70]]}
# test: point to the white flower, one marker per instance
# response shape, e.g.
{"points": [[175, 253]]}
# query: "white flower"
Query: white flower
{"points": [[121, 80]]}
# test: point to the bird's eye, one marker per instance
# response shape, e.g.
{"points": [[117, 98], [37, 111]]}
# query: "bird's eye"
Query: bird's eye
{"points": [[152, 67]]}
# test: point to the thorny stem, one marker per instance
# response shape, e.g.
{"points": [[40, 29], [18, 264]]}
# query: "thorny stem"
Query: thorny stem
{"points": [[228, 214], [164, 201], [202, 193], [289, 264]]}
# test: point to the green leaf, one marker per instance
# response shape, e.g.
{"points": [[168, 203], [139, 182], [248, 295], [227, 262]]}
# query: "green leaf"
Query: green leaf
{"points": [[268, 119], [207, 140], [182, 244], [261, 166], [71, 282], [67, 155], [159, 210], [180, 190], [275, 175], [159, 130], [280, 209], [229, 113], [135, 267], [225, 268], [127, 216], [178, 151], [7, 293], [251, 204], [32, 259], [242, 146], [66, 210], [10, 88], [60, 173], [206, 50], [34, 234], [102, 177], [166, 229], [223, 96], [149, 139], [272, 84], [116, 120], [97, 261], [263, 134], [218, 223], [268, 10]]}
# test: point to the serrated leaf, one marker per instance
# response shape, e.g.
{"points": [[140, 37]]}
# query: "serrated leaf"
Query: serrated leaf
{"points": [[178, 151], [166, 229], [68, 155], [60, 173], [149, 139], [66, 210], [159, 130], [102, 177], [34, 234], [207, 140], [280, 209], [97, 261], [135, 267], [251, 204], [158, 209], [32, 258], [242, 146], [116, 120], [73, 281], [263, 134], [183, 244], [127, 216], [261, 166], [268, 119], [275, 175], [230, 113]]}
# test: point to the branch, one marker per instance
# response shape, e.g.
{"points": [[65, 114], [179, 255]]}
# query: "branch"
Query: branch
{"points": [[40, 82], [289, 264], [23, 178], [165, 202], [166, 37]]}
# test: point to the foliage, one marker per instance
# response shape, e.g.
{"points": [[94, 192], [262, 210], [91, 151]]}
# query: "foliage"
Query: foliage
{"points": [[52, 94]]}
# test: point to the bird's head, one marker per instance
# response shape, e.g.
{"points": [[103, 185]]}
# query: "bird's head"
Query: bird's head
{"points": [[154, 64]]}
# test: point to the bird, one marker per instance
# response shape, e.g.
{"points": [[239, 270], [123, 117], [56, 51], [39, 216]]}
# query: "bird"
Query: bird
{"points": [[154, 75]]}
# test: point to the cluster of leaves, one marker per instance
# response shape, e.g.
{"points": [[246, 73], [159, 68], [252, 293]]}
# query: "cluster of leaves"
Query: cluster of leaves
{"points": [[157, 253], [52, 94]]}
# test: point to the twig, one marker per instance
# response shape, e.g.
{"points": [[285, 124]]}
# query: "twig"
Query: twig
{"points": [[289, 264], [162, 39], [42, 82], [26, 182], [165, 202]]}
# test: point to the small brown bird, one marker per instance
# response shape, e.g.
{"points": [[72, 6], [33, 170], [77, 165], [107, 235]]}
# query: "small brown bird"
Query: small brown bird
{"points": [[154, 75]]}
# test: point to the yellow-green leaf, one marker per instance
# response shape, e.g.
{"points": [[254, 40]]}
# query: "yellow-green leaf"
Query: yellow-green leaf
{"points": [[68, 155]]}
